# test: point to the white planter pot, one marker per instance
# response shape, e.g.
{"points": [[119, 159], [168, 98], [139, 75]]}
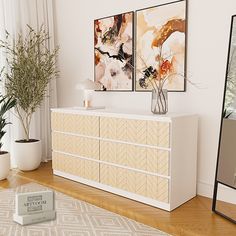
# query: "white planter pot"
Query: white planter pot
{"points": [[4, 165], [28, 156]]}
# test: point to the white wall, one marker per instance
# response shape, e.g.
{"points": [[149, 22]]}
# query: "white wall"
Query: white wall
{"points": [[208, 35]]}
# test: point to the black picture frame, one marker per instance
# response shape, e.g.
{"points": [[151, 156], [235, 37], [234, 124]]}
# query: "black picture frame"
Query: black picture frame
{"points": [[133, 35], [186, 45]]}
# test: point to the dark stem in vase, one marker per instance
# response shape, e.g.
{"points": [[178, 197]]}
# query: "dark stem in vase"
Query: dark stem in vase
{"points": [[161, 97], [159, 101]]}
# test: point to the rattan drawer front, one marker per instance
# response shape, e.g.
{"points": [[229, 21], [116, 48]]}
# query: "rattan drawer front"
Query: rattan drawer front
{"points": [[62, 142], [136, 131], [108, 127], [138, 157], [158, 188], [80, 146], [76, 166], [153, 133], [113, 176], [150, 186], [87, 125], [108, 175], [57, 121], [158, 161], [108, 151], [121, 154], [72, 123], [121, 131], [158, 133]]}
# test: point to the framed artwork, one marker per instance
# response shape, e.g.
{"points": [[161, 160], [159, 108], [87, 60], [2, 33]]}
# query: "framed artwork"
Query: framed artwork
{"points": [[113, 52], [161, 46]]}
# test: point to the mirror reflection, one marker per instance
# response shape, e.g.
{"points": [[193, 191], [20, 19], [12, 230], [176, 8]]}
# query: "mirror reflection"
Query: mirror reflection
{"points": [[224, 206], [230, 92], [227, 156], [224, 199], [226, 173]]}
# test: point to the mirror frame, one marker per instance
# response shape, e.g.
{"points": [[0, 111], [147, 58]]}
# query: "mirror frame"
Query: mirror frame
{"points": [[222, 115]]}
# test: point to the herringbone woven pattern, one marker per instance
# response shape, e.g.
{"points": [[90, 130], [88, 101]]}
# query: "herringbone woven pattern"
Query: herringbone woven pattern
{"points": [[74, 218], [82, 146], [158, 188], [163, 189], [76, 166], [136, 131], [143, 184], [108, 127], [149, 159], [72, 123], [141, 158]]}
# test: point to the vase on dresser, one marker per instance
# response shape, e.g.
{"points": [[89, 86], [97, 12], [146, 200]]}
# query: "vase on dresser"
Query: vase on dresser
{"points": [[159, 103]]}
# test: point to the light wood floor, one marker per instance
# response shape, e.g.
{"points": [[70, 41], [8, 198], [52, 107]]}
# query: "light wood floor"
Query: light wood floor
{"points": [[192, 218]]}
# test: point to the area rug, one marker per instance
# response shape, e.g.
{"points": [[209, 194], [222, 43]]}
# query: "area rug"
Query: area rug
{"points": [[74, 218]]}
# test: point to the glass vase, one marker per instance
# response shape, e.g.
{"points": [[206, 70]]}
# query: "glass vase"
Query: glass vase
{"points": [[159, 101]]}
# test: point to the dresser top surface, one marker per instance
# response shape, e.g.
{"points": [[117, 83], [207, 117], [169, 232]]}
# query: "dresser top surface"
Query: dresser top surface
{"points": [[134, 114]]}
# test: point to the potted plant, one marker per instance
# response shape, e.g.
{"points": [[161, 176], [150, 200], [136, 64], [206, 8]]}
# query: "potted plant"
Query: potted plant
{"points": [[31, 66], [6, 105]]}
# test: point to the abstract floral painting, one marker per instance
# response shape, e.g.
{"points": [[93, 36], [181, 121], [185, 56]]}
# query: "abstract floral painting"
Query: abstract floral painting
{"points": [[113, 49], [161, 47]]}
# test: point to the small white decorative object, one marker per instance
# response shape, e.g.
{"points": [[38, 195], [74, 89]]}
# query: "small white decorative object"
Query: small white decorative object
{"points": [[34, 218], [34, 207], [88, 86]]}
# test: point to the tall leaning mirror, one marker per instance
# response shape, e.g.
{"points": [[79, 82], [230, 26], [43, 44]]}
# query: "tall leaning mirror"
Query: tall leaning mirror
{"points": [[224, 199]]}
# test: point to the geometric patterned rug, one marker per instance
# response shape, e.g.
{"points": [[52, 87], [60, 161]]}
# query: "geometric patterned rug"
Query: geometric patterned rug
{"points": [[74, 218]]}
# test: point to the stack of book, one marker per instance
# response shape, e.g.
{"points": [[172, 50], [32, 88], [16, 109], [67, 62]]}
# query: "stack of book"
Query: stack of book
{"points": [[34, 207]]}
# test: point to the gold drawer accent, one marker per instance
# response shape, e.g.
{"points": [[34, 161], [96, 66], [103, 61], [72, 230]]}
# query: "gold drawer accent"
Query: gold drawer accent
{"points": [[141, 158], [153, 133], [76, 166], [150, 186], [73, 123], [80, 146]]}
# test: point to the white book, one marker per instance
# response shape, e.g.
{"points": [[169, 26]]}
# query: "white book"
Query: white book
{"points": [[35, 218], [34, 202]]}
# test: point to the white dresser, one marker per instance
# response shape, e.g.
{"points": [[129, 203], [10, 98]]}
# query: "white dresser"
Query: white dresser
{"points": [[145, 157]]}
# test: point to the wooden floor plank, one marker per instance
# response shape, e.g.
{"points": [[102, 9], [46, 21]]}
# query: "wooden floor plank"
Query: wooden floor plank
{"points": [[192, 218]]}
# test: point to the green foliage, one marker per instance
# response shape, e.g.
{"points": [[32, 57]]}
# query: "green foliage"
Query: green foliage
{"points": [[230, 94], [5, 105], [31, 66], [227, 114]]}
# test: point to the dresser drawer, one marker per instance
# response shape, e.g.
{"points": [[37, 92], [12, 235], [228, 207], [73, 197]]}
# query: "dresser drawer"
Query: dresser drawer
{"points": [[73, 123], [146, 185], [76, 166], [138, 157], [153, 133], [81, 146]]}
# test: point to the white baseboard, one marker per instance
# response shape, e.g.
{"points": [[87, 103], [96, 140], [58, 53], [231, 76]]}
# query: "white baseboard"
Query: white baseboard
{"points": [[224, 193], [205, 189]]}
